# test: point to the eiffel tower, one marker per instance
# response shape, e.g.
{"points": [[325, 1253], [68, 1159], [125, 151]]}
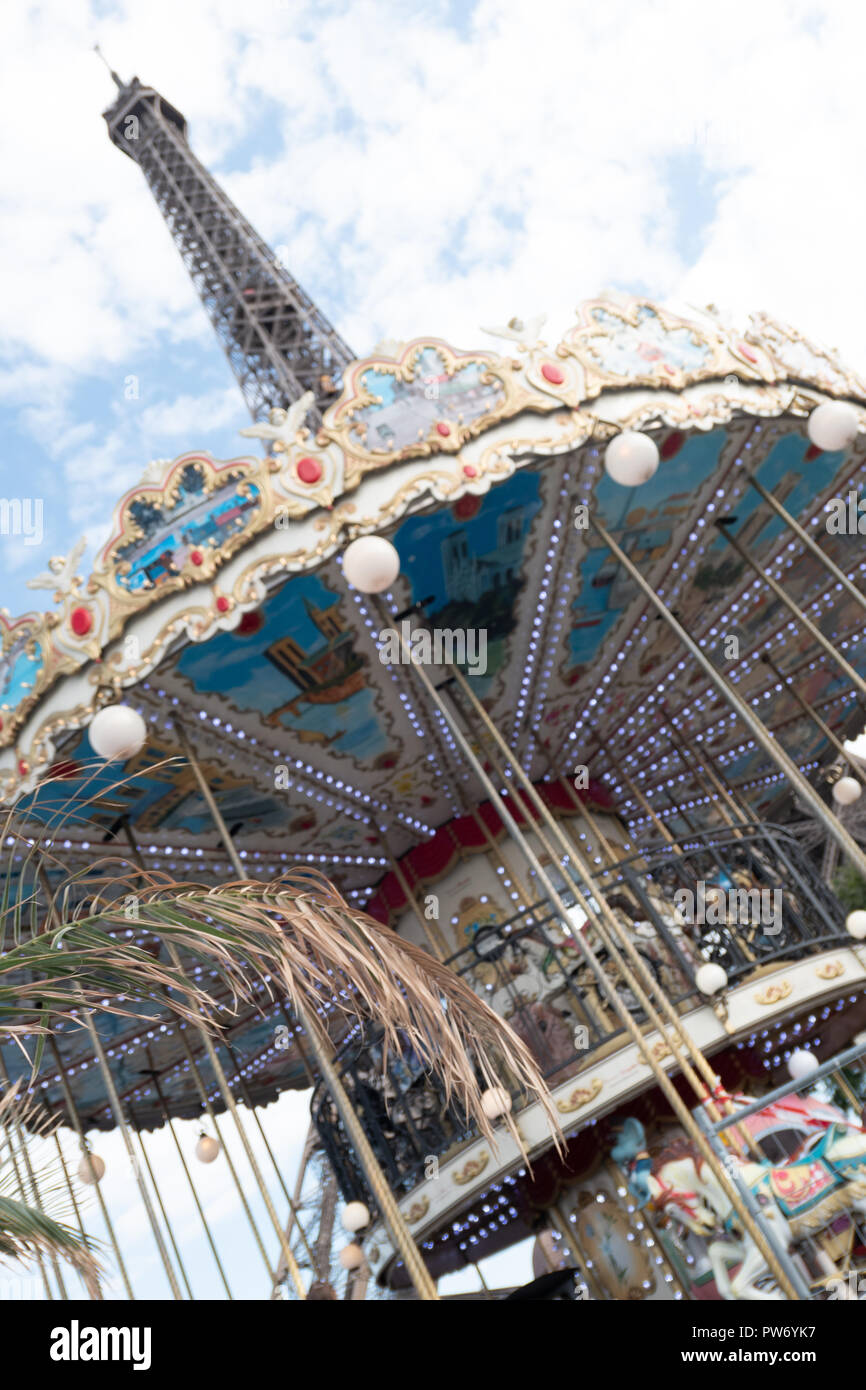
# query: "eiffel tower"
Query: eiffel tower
{"points": [[278, 342], [279, 345]]}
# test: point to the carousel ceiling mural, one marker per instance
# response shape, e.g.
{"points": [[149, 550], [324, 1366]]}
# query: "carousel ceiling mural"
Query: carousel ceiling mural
{"points": [[220, 597], [192, 603]]}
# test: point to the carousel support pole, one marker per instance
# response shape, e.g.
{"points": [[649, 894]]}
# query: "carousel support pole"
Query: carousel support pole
{"points": [[293, 1211], [749, 1200], [742, 814], [211, 1113], [524, 898], [762, 736], [34, 1186], [805, 622], [225, 1092], [116, 1107], [305, 1061], [431, 929], [222, 1080], [170, 1126], [639, 797], [620, 1186], [811, 713], [803, 536], [648, 988], [161, 1204], [694, 765], [561, 1221], [19, 1183], [97, 1294], [390, 1211], [606, 986], [120, 1121], [631, 880], [82, 1142]]}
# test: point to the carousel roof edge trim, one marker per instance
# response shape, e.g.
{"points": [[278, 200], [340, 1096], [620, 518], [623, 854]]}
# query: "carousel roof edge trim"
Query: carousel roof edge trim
{"points": [[114, 628]]}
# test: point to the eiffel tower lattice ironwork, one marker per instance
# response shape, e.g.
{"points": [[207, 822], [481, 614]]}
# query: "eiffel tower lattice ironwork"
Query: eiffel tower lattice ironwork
{"points": [[278, 342]]}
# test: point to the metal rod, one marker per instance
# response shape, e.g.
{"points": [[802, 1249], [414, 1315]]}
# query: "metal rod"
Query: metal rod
{"points": [[605, 985], [211, 1113], [144, 1154], [19, 1183], [115, 1104], [171, 1129], [803, 535], [776, 588], [825, 1069], [96, 1293], [648, 986], [762, 735], [750, 1201], [320, 1044], [812, 713], [76, 1122], [431, 930], [276, 1167], [34, 1186], [222, 1083]]}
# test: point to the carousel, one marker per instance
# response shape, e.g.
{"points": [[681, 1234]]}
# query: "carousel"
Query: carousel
{"points": [[543, 661]]}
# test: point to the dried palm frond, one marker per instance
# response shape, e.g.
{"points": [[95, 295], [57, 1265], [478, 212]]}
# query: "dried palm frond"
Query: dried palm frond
{"points": [[26, 1232], [296, 936], [301, 938]]}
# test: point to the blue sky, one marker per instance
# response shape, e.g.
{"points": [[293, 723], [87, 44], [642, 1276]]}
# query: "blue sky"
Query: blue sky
{"points": [[421, 169]]}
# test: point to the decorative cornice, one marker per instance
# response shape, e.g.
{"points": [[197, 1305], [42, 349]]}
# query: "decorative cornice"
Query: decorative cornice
{"points": [[218, 534]]}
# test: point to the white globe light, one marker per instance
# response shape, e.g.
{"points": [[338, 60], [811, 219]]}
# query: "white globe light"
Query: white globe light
{"points": [[207, 1149], [355, 1217], [495, 1102], [833, 426], [89, 1174], [846, 790], [371, 564], [855, 924], [710, 978], [117, 731], [631, 458], [351, 1256], [802, 1063]]}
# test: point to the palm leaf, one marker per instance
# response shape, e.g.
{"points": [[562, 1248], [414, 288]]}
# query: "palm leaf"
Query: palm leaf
{"points": [[26, 1233]]}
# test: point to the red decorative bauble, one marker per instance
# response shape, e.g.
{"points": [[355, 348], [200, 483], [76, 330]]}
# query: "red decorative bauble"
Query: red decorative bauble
{"points": [[555, 375], [443, 429], [470, 471], [309, 470], [196, 557], [23, 767], [65, 770], [466, 507], [672, 444], [250, 622], [81, 621], [222, 604]]}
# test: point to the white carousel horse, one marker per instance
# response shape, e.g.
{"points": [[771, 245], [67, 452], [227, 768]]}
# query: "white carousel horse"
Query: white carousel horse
{"points": [[798, 1198]]}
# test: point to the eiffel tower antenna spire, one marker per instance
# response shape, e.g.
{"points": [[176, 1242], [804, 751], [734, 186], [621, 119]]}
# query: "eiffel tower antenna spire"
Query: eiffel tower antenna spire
{"points": [[278, 342], [99, 52]]}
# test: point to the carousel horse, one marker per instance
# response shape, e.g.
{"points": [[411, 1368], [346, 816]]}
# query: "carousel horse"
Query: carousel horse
{"points": [[798, 1199]]}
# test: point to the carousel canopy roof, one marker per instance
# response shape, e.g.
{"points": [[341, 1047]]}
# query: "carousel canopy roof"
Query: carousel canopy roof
{"points": [[220, 600]]}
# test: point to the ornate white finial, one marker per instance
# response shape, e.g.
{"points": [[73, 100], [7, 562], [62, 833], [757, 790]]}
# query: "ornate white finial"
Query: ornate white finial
{"points": [[60, 575], [284, 424], [526, 335]]}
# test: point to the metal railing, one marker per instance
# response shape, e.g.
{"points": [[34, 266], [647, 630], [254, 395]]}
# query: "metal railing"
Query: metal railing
{"points": [[741, 898]]}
